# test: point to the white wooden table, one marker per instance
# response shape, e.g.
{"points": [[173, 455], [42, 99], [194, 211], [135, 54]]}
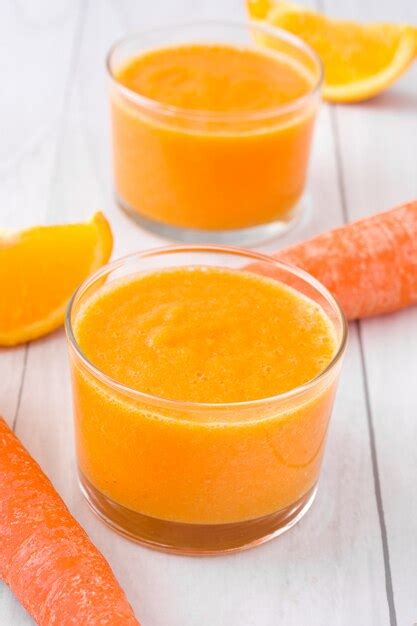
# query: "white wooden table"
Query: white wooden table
{"points": [[353, 560]]}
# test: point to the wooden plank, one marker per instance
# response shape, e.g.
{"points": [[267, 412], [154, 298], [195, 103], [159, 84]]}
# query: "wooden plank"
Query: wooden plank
{"points": [[379, 160], [12, 367], [32, 100], [38, 38]]}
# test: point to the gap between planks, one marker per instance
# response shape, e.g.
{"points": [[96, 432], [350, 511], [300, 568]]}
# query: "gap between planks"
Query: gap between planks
{"points": [[333, 111], [76, 45], [369, 414]]}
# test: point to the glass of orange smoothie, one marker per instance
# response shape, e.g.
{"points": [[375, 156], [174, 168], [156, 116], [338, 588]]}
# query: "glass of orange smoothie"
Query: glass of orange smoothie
{"points": [[203, 381], [212, 125]]}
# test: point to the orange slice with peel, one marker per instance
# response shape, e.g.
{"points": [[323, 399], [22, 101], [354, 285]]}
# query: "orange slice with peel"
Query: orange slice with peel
{"points": [[360, 60], [40, 268]]}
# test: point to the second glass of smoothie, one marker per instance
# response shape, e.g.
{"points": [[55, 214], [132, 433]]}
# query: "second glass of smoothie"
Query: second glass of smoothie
{"points": [[203, 381], [212, 125]]}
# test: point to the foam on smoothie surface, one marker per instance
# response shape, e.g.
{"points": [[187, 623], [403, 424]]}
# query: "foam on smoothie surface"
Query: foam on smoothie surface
{"points": [[214, 77], [205, 335]]}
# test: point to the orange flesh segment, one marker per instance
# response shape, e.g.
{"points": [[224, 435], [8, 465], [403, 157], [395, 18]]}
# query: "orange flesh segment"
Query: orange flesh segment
{"points": [[328, 36], [40, 268]]}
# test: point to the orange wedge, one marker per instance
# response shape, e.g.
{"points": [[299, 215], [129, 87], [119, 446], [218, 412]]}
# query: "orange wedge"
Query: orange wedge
{"points": [[40, 268], [360, 60]]}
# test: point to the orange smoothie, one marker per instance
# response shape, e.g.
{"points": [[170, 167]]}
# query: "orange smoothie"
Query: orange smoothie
{"points": [[201, 335], [211, 136]]}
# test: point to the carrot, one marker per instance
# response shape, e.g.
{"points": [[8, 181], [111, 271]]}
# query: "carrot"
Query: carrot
{"points": [[45, 556], [370, 266]]}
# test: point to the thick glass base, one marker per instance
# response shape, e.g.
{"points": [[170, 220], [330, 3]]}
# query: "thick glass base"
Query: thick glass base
{"points": [[239, 237], [194, 539]]}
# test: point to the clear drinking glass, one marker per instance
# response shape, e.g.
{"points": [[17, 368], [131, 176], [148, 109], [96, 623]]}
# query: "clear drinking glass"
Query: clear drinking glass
{"points": [[213, 176], [252, 467]]}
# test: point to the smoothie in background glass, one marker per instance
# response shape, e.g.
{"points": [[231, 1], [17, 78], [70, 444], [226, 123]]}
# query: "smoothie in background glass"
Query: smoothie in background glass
{"points": [[202, 394], [212, 130]]}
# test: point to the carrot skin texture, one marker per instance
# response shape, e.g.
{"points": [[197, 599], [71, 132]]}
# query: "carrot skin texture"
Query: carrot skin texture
{"points": [[370, 266], [46, 557]]}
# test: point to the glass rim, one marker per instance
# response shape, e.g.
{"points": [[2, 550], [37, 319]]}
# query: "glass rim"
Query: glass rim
{"points": [[190, 405], [220, 116]]}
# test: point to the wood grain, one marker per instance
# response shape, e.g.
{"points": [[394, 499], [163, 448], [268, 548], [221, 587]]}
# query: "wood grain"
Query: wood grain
{"points": [[36, 47]]}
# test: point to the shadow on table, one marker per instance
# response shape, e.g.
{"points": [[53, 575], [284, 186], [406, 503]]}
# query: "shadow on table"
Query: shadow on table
{"points": [[392, 100]]}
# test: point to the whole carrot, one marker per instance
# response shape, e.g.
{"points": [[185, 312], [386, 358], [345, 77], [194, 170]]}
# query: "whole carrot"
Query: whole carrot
{"points": [[45, 556], [369, 265]]}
